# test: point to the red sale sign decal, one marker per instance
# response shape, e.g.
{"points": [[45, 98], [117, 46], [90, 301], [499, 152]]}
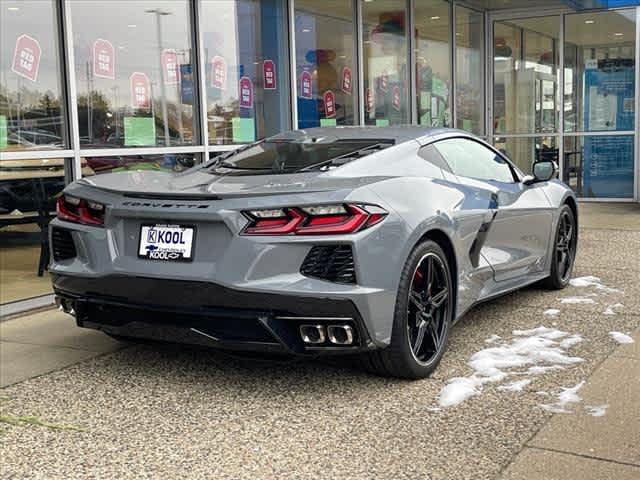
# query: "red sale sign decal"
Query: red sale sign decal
{"points": [[305, 85], [246, 92], [26, 57], [140, 90], [383, 81], [370, 100], [329, 104], [219, 73], [170, 71], [395, 98], [269, 74], [346, 80], [104, 57]]}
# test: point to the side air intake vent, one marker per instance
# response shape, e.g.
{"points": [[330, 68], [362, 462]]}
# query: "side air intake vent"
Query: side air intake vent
{"points": [[62, 244], [330, 262]]}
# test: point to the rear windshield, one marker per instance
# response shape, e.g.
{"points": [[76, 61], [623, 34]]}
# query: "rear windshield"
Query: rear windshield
{"points": [[291, 156]]}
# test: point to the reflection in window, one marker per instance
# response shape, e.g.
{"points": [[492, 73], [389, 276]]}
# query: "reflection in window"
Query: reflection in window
{"points": [[134, 73], [433, 63], [247, 69], [325, 60], [523, 151], [385, 62], [474, 160], [31, 105], [167, 162], [526, 75], [599, 166], [600, 71], [469, 70]]}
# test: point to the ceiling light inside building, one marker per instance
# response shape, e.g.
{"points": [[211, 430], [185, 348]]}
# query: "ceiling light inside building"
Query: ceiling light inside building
{"points": [[589, 22]]}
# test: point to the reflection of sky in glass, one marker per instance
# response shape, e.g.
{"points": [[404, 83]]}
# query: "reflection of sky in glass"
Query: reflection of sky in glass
{"points": [[132, 29], [33, 18]]}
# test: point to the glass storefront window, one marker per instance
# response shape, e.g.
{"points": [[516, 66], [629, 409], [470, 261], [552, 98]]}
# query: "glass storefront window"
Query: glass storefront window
{"points": [[134, 73], [433, 71], [31, 101], [523, 151], [167, 162], [28, 191], [599, 166], [386, 75], [469, 70], [599, 71], [526, 73], [325, 61], [247, 69]]}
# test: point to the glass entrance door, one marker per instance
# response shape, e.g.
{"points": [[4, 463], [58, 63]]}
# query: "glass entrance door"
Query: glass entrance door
{"points": [[564, 89]]}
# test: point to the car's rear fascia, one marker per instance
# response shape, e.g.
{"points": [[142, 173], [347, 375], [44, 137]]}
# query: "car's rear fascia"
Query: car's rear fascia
{"points": [[231, 277]]}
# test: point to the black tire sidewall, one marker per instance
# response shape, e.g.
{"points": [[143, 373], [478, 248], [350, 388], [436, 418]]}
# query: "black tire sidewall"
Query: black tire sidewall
{"points": [[556, 279]]}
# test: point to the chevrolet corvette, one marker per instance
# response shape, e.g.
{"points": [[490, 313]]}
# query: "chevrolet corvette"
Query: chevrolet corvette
{"points": [[338, 240]]}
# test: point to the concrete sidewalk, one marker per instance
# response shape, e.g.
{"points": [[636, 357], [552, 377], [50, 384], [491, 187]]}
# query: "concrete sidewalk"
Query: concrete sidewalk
{"points": [[585, 447], [40, 343]]}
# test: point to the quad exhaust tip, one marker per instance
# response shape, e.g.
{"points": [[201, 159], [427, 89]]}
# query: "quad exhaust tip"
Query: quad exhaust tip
{"points": [[313, 334], [65, 305], [341, 335]]}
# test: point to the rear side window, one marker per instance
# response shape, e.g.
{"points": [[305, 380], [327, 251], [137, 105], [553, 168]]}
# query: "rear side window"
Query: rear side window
{"points": [[291, 156], [432, 155], [472, 159]]}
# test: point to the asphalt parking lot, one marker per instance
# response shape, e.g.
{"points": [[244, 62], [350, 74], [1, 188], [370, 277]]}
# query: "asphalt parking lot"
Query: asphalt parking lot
{"points": [[157, 411]]}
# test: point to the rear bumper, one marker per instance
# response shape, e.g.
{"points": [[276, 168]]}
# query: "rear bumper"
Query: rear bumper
{"points": [[207, 314]]}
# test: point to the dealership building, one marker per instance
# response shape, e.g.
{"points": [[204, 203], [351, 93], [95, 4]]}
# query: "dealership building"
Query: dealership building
{"points": [[95, 86]]}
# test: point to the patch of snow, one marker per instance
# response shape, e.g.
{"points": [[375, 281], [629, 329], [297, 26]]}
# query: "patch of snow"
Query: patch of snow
{"points": [[539, 349], [493, 338], [565, 397], [553, 408], [574, 300], [597, 410], [588, 281], [591, 281], [621, 337], [544, 394], [551, 311], [610, 310], [458, 390], [570, 341], [515, 386]]}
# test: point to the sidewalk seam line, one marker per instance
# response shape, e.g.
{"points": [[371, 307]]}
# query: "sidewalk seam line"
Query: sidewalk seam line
{"points": [[582, 455], [50, 346]]}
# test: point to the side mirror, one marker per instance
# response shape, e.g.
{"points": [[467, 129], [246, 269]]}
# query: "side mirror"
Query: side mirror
{"points": [[543, 171]]}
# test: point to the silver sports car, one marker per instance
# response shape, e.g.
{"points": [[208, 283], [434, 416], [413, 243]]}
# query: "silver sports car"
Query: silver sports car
{"points": [[369, 241]]}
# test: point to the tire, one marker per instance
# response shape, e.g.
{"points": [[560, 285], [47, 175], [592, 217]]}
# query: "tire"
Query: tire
{"points": [[564, 250], [399, 358]]}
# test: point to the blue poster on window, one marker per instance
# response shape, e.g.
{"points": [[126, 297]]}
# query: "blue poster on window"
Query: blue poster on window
{"points": [[186, 84], [609, 100]]}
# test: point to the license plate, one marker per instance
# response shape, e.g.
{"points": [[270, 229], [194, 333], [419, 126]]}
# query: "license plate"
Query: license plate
{"points": [[172, 243]]}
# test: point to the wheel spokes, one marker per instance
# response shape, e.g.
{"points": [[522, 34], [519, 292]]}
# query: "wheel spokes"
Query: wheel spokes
{"points": [[428, 308]]}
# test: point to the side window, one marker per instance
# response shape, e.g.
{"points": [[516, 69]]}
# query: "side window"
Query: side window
{"points": [[431, 155], [472, 159]]}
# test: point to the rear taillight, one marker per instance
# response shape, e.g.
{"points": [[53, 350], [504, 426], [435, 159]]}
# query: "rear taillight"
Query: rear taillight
{"points": [[313, 220], [77, 210]]}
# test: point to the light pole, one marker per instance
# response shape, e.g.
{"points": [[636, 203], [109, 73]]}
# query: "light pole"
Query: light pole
{"points": [[165, 117]]}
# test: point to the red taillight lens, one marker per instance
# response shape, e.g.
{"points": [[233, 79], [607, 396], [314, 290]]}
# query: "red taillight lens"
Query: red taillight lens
{"points": [[72, 209], [315, 220]]}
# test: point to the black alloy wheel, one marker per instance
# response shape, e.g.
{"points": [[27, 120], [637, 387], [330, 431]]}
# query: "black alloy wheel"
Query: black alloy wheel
{"points": [[428, 308]]}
